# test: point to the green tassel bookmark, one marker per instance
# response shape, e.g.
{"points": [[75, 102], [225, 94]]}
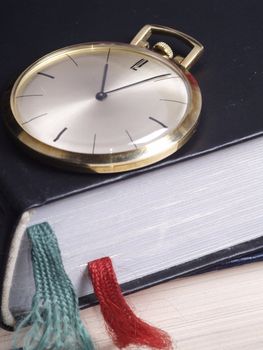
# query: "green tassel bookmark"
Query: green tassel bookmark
{"points": [[54, 318]]}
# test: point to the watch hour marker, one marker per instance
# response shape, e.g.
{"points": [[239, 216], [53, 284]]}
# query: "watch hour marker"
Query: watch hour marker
{"points": [[127, 132], [72, 60], [59, 134], [29, 95], [46, 75], [38, 116], [159, 122], [139, 64], [164, 99], [94, 142]]}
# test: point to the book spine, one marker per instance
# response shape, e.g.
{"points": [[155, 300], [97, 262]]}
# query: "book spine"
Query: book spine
{"points": [[9, 218]]}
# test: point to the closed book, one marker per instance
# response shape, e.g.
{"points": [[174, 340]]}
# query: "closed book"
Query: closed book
{"points": [[195, 209]]}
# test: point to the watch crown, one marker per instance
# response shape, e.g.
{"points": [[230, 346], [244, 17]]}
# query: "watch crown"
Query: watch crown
{"points": [[164, 49]]}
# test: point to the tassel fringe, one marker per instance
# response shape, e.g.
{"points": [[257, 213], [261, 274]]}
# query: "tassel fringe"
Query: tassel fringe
{"points": [[123, 325], [54, 320]]}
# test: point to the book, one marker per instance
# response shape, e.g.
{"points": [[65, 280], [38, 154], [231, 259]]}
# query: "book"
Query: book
{"points": [[153, 233], [215, 310], [229, 77]]}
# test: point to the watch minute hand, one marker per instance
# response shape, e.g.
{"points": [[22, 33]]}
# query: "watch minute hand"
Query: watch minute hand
{"points": [[101, 95], [138, 82], [104, 77]]}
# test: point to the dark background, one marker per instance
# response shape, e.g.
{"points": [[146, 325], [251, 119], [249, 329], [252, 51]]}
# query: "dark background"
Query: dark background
{"points": [[231, 31], [230, 73]]}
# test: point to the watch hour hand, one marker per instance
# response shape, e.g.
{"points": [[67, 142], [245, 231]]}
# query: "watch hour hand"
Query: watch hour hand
{"points": [[136, 83]]}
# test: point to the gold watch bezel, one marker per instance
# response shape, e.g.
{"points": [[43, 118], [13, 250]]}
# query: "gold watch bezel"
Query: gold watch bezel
{"points": [[115, 162]]}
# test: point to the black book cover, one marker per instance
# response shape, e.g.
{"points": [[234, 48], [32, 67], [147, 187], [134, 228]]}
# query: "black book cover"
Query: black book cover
{"points": [[230, 75]]}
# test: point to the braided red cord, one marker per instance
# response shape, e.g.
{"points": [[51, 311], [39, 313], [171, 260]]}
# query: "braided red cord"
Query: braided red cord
{"points": [[123, 325]]}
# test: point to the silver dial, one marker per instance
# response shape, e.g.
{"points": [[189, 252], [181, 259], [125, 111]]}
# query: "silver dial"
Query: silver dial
{"points": [[102, 101]]}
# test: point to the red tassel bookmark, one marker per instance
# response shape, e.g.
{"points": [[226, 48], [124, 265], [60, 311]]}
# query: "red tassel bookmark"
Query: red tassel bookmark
{"points": [[123, 325]]}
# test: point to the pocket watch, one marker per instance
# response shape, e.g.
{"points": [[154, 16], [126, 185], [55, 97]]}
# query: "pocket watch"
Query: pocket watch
{"points": [[107, 107]]}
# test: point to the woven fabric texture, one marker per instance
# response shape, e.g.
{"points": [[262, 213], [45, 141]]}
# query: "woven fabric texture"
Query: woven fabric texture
{"points": [[54, 319], [123, 325]]}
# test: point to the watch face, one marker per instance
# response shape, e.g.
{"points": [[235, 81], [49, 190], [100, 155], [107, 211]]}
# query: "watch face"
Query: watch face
{"points": [[105, 104]]}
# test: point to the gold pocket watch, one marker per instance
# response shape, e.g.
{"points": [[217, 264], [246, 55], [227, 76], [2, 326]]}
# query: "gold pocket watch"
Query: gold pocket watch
{"points": [[108, 107]]}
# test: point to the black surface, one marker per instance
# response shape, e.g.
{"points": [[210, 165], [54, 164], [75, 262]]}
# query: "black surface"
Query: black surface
{"points": [[229, 73], [230, 76]]}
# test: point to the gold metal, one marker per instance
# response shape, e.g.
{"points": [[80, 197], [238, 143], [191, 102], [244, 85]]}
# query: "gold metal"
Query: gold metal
{"points": [[164, 49], [141, 39], [122, 161], [178, 59]]}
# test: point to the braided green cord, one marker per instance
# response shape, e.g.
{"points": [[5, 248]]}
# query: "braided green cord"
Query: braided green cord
{"points": [[54, 318]]}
